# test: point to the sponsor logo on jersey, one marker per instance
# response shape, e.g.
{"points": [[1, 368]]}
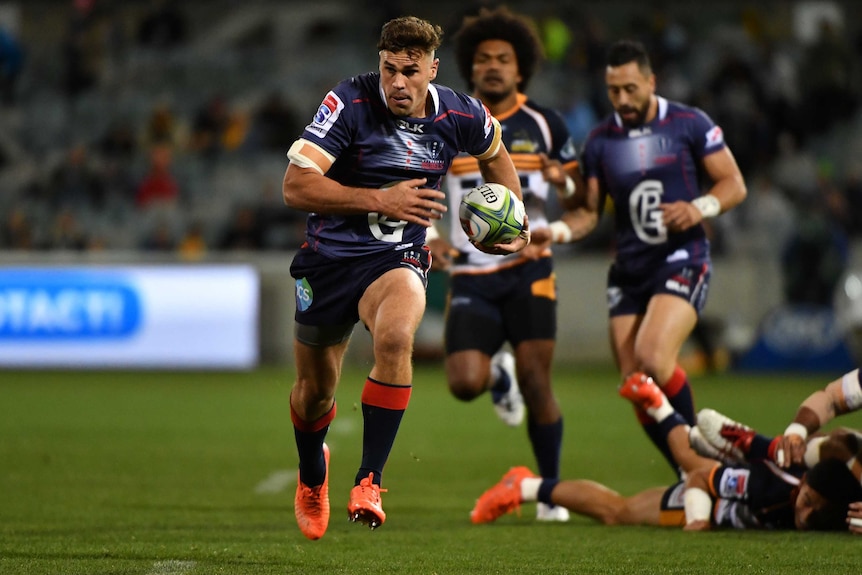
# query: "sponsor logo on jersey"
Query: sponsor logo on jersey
{"points": [[638, 132], [461, 300], [68, 307], [411, 127], [304, 294], [714, 137], [327, 114]]}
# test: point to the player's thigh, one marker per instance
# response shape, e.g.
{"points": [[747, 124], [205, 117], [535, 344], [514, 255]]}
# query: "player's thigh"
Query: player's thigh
{"points": [[393, 304], [668, 322], [644, 508], [623, 330]]}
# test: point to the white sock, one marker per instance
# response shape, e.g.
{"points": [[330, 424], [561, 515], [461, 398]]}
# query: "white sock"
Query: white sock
{"points": [[530, 488], [662, 412]]}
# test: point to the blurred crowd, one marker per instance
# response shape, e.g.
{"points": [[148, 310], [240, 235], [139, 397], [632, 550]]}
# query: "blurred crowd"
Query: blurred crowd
{"points": [[163, 130]]}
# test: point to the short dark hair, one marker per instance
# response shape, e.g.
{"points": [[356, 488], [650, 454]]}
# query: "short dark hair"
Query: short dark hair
{"points": [[499, 24], [410, 34], [839, 487], [625, 51]]}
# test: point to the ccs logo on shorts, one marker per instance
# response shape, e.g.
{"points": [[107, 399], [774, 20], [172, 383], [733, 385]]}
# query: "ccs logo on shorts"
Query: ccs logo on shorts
{"points": [[304, 294], [38, 306]]}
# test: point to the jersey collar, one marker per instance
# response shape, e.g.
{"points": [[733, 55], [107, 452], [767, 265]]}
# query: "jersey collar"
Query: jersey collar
{"points": [[662, 112], [432, 91]]}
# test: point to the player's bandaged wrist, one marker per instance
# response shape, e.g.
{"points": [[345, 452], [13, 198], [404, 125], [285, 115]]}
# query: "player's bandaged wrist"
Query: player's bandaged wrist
{"points": [[431, 233], [561, 233], [698, 505], [708, 205], [796, 429], [569, 189]]}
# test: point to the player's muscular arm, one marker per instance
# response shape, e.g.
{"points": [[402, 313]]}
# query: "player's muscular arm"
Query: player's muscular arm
{"points": [[727, 192], [306, 188], [582, 214]]}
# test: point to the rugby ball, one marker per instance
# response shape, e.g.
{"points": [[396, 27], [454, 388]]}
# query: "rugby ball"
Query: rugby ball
{"points": [[491, 214]]}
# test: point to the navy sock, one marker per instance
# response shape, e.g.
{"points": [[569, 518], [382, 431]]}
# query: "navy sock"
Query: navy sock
{"points": [[547, 441], [309, 446], [545, 489], [383, 406], [682, 402]]}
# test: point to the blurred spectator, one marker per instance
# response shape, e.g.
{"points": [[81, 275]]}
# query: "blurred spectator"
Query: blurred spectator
{"points": [[208, 127], [67, 233], [163, 127], [831, 87], [815, 258], [118, 142], [158, 186], [11, 65], [853, 197], [275, 125], [17, 232], [82, 49], [164, 26], [243, 232], [769, 218], [76, 183], [193, 244], [794, 169]]}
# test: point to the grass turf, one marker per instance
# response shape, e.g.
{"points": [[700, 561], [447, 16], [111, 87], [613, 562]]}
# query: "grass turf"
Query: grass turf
{"points": [[157, 473]]}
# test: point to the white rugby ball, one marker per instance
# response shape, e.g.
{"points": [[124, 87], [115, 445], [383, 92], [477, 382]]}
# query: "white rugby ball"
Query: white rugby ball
{"points": [[491, 214]]}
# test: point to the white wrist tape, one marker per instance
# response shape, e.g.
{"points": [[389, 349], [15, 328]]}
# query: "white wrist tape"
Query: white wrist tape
{"points": [[797, 429], [698, 505], [431, 233], [570, 188], [708, 205], [561, 233]]}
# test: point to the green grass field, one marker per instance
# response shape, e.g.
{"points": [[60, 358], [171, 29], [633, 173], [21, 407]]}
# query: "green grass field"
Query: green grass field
{"points": [[193, 473]]}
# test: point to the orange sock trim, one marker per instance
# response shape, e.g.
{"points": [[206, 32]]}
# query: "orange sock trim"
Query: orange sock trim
{"points": [[386, 395], [312, 426], [676, 382]]}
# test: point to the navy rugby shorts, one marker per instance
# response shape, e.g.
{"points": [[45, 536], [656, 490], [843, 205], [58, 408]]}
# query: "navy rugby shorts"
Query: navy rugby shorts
{"points": [[513, 304], [328, 291], [629, 294]]}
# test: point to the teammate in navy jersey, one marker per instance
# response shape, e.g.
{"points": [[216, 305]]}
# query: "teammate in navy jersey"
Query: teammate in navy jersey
{"points": [[493, 300], [755, 494], [650, 156], [368, 170]]}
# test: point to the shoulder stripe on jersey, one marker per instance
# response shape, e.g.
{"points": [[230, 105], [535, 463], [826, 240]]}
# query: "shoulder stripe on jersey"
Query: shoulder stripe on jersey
{"points": [[494, 148]]}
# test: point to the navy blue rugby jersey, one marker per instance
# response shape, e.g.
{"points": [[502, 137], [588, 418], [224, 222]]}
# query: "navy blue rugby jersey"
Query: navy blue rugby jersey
{"points": [[642, 167], [373, 148], [758, 495]]}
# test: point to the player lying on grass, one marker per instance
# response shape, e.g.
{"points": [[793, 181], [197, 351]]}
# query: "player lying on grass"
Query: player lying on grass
{"points": [[800, 445], [756, 494]]}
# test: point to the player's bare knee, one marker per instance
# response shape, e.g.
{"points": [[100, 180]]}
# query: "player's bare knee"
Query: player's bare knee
{"points": [[464, 387]]}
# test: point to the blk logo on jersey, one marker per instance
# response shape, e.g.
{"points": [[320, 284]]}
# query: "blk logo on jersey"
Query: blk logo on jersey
{"points": [[304, 294]]}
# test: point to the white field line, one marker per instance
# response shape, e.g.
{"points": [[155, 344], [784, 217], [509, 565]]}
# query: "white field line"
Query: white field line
{"points": [[277, 481], [171, 567]]}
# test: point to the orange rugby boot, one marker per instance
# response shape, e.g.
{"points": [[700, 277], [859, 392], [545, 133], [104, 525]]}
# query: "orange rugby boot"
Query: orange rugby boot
{"points": [[642, 390], [311, 504], [503, 498], [365, 505]]}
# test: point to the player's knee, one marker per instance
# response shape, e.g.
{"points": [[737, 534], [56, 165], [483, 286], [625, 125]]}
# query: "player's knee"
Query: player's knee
{"points": [[464, 387], [392, 342]]}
